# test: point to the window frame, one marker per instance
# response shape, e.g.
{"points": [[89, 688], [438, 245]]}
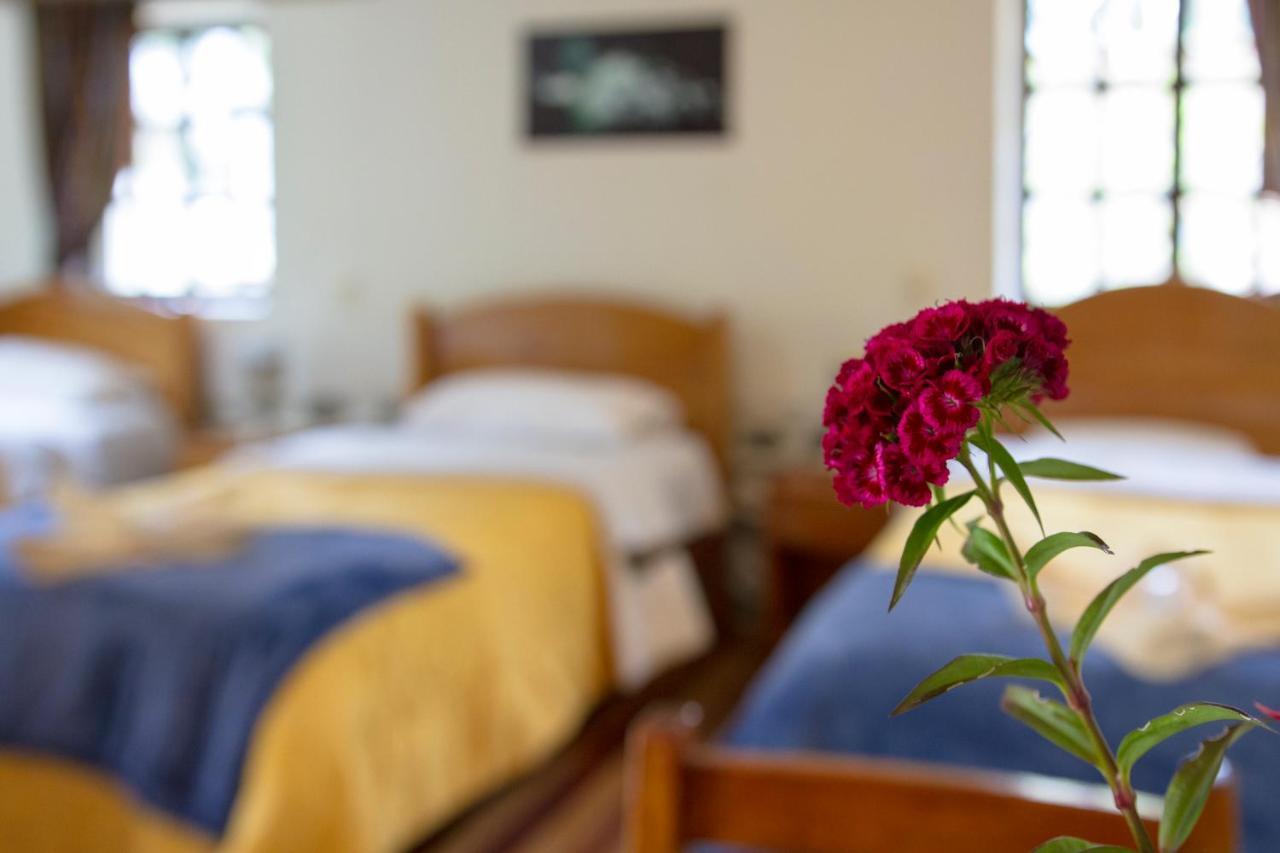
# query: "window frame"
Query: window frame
{"points": [[250, 301], [1176, 192]]}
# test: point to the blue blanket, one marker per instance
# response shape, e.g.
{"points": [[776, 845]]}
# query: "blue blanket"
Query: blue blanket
{"points": [[157, 676], [847, 663]]}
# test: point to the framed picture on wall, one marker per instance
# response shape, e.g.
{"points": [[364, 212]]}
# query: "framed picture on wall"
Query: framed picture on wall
{"points": [[604, 82]]}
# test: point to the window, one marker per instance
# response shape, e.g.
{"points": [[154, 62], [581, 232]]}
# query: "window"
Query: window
{"points": [[1143, 131], [192, 219]]}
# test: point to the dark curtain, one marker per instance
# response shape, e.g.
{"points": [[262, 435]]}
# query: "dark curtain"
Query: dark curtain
{"points": [[88, 124], [1266, 29]]}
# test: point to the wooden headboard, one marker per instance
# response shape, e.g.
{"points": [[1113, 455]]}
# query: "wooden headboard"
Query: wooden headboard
{"points": [[165, 348], [1176, 351], [689, 357]]}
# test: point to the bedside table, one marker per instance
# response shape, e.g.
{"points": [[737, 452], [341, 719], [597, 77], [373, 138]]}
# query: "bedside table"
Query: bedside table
{"points": [[204, 445], [808, 536]]}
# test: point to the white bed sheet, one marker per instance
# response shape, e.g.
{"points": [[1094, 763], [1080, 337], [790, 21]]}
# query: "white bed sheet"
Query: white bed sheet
{"points": [[653, 496], [95, 442], [1161, 459]]}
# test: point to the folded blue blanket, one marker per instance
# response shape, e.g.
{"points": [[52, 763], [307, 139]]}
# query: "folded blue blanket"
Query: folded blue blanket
{"points": [[832, 683], [157, 676]]}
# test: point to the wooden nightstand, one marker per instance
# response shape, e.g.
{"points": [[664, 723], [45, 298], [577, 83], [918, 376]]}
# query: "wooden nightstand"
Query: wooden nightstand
{"points": [[204, 445], [808, 536]]}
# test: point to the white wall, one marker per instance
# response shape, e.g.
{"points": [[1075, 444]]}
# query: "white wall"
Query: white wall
{"points": [[24, 229], [856, 184]]}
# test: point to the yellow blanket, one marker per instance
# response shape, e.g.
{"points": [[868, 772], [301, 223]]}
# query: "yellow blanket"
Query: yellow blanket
{"points": [[404, 715], [1193, 613]]}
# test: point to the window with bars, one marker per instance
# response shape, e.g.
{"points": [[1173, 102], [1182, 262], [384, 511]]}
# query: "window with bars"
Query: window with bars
{"points": [[1142, 157], [192, 218]]}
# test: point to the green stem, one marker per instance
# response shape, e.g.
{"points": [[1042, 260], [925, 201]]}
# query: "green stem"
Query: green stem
{"points": [[1077, 694]]}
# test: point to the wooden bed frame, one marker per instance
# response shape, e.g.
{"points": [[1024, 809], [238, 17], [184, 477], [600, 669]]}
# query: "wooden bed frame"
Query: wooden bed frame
{"points": [[1170, 351], [166, 348], [1176, 351], [681, 790], [689, 357]]}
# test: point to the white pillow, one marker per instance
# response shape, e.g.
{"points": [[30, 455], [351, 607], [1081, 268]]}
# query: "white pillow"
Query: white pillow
{"points": [[545, 407], [1172, 459], [1120, 436], [41, 369]]}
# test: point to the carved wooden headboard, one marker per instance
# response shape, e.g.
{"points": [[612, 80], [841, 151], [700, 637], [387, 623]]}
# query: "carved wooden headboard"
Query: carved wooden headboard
{"points": [[1176, 351], [687, 356], [165, 348]]}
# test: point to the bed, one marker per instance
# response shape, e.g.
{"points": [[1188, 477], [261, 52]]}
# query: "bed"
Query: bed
{"points": [[92, 386], [1205, 475], [457, 616]]}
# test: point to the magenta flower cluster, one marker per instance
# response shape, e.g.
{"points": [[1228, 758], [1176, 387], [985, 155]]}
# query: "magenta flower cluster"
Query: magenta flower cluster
{"points": [[897, 416]]}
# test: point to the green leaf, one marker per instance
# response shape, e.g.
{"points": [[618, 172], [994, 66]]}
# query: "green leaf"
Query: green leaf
{"points": [[1034, 410], [1009, 466], [1140, 741], [1039, 554], [1052, 720], [969, 668], [1068, 844], [1064, 844], [1021, 412], [986, 551], [940, 495], [920, 538], [1050, 468], [1185, 797], [1102, 604]]}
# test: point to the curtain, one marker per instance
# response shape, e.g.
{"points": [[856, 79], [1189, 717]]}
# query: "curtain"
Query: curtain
{"points": [[1266, 29], [83, 50]]}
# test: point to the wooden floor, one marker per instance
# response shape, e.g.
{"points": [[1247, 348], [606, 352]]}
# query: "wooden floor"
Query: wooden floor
{"points": [[574, 804]]}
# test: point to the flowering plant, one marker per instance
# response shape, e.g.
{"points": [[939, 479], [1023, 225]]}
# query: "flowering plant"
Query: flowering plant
{"points": [[926, 392]]}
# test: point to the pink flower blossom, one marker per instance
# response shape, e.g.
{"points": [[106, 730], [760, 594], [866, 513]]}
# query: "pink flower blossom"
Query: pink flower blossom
{"points": [[946, 323], [1003, 346], [1267, 712], [861, 482], [895, 418], [926, 446], [1052, 328], [899, 364], [950, 405], [903, 480]]}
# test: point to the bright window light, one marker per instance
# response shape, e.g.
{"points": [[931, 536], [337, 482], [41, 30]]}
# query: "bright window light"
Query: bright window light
{"points": [[193, 216], [1142, 149]]}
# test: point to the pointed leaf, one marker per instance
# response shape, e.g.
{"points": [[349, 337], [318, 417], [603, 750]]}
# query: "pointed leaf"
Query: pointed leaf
{"points": [[1064, 844], [968, 668], [1034, 410], [1101, 605], [1039, 554], [1021, 412], [1009, 466], [986, 551], [1050, 468], [1185, 797], [940, 495], [1140, 741], [1068, 844], [1052, 720], [920, 538]]}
